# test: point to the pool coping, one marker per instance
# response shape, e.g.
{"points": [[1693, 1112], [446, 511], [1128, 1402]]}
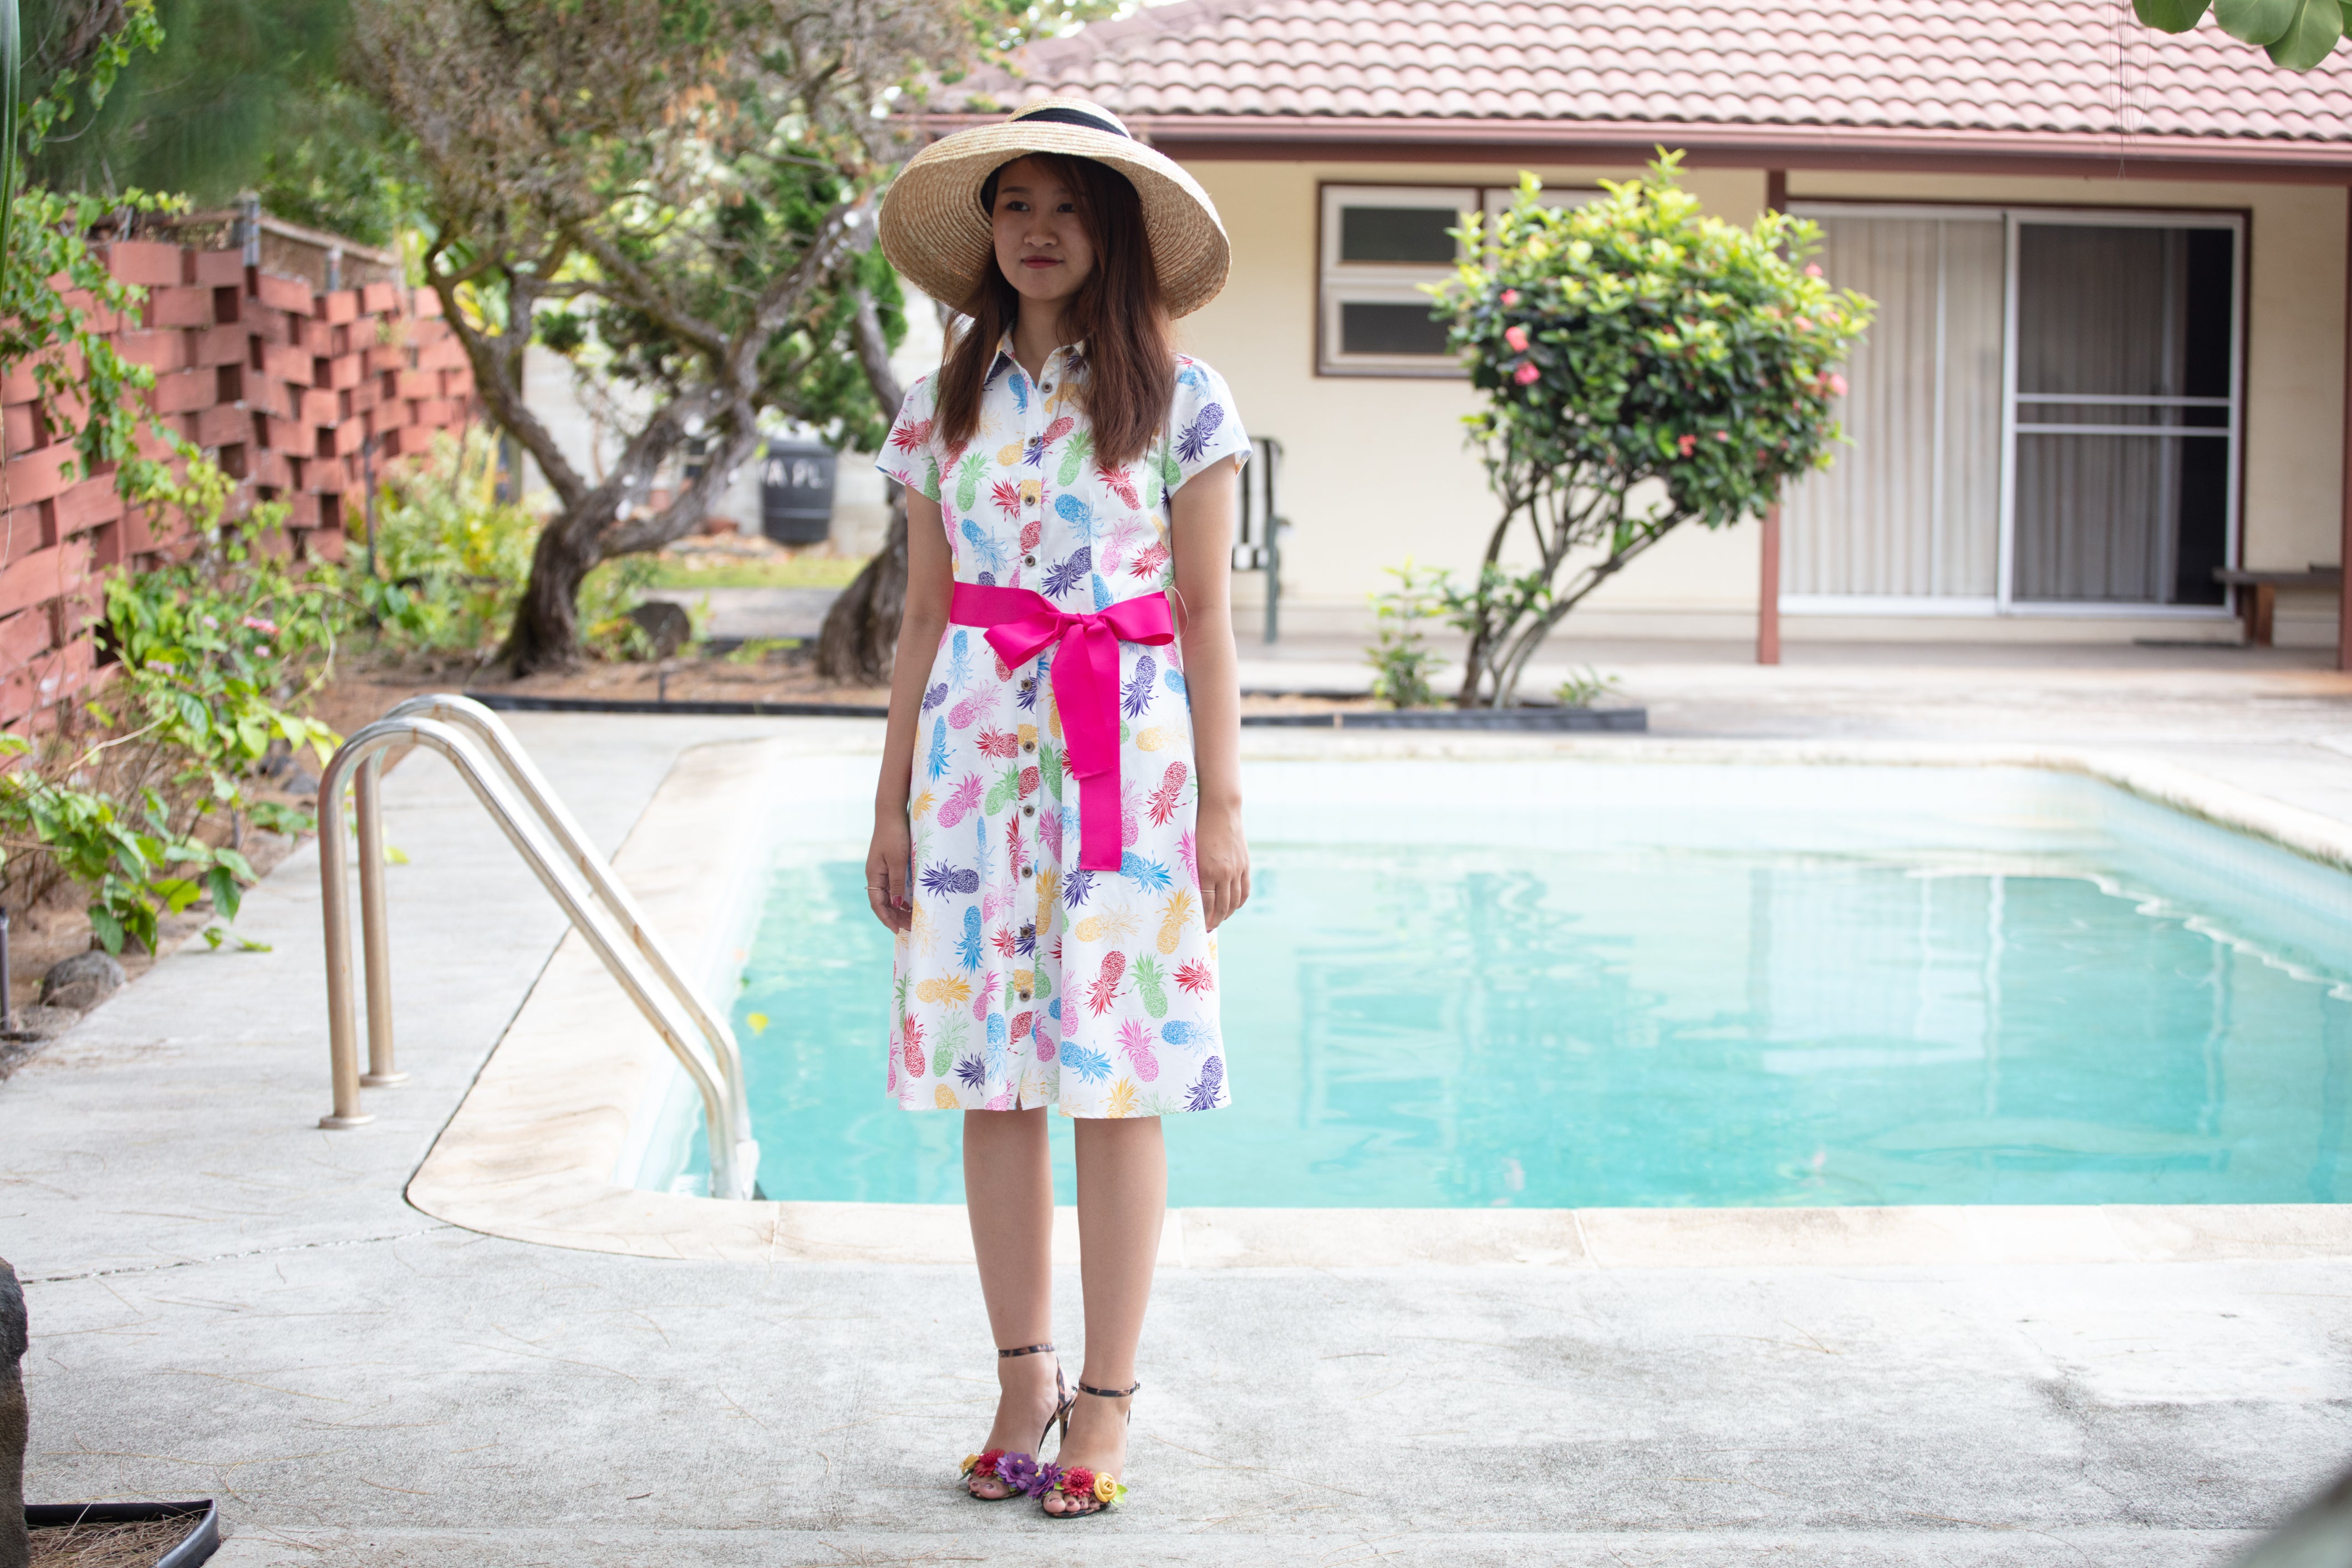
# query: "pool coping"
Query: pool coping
{"points": [[530, 1152]]}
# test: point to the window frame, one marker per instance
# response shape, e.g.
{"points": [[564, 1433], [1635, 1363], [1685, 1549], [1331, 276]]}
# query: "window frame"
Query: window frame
{"points": [[2014, 216], [1338, 283]]}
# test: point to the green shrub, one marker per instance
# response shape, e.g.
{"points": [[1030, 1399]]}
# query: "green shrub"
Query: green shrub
{"points": [[145, 797], [1643, 367], [1402, 662], [444, 566]]}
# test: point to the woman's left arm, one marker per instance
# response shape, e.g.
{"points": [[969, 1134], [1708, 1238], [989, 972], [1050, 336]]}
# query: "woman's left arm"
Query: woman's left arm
{"points": [[1205, 509]]}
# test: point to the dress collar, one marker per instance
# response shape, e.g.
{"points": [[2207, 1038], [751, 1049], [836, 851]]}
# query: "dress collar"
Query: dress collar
{"points": [[1074, 353]]}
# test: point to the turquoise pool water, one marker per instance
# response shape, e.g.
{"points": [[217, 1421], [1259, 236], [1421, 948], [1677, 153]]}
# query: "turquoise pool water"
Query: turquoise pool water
{"points": [[1814, 1002]]}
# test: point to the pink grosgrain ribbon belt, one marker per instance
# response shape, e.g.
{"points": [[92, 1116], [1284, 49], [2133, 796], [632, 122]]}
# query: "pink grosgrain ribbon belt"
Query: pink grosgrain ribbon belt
{"points": [[1020, 623]]}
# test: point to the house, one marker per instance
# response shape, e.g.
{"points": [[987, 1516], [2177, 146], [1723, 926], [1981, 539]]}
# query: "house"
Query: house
{"points": [[2110, 265]]}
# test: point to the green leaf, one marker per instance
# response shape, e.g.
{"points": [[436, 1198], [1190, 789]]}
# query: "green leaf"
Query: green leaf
{"points": [[106, 928], [2257, 21], [2310, 36]]}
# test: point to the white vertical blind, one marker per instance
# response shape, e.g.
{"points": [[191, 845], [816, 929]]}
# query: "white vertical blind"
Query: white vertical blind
{"points": [[1912, 508]]}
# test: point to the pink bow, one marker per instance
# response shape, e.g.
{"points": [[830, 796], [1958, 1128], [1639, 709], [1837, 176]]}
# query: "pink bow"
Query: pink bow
{"points": [[1020, 623]]}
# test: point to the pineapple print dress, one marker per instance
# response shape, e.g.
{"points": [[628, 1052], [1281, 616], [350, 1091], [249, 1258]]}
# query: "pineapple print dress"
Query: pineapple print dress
{"points": [[1026, 981]]}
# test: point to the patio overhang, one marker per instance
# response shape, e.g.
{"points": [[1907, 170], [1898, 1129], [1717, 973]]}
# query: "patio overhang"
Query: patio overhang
{"points": [[1262, 137]]}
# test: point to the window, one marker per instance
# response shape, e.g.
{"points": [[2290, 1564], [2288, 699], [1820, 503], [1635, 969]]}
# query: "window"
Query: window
{"points": [[1381, 244], [2045, 416]]}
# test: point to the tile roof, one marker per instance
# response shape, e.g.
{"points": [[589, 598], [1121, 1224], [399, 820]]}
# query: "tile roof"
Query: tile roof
{"points": [[2033, 75]]}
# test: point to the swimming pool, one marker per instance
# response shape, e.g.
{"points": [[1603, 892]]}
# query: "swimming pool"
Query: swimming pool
{"points": [[1629, 984]]}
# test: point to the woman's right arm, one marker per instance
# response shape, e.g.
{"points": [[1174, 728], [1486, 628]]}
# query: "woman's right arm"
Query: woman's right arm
{"points": [[931, 583]]}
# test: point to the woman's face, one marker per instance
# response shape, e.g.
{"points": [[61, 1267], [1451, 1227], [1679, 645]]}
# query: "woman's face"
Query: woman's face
{"points": [[1041, 245]]}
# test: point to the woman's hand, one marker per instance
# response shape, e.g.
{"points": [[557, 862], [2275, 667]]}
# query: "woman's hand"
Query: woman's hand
{"points": [[888, 864], [1224, 864]]}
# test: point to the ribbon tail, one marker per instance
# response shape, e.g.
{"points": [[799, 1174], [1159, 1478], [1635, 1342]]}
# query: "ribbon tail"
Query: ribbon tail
{"points": [[1091, 719]]}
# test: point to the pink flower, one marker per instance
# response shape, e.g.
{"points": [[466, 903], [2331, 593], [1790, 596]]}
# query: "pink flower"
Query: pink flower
{"points": [[1803, 325], [1812, 271], [1837, 384], [1526, 374], [1517, 338], [255, 622], [1686, 443], [1723, 434], [1510, 297]]}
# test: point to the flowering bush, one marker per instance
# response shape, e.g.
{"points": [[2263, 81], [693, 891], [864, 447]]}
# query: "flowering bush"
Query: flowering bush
{"points": [[1643, 367]]}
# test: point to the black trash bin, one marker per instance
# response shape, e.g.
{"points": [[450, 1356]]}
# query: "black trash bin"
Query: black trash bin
{"points": [[796, 491]]}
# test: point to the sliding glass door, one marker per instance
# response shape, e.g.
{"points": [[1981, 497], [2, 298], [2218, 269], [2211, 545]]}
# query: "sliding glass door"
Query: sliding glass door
{"points": [[2045, 417], [2125, 422]]}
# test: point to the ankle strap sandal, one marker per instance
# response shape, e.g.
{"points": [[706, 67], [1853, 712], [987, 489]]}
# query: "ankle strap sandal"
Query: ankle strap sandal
{"points": [[1091, 1491], [1018, 1472]]}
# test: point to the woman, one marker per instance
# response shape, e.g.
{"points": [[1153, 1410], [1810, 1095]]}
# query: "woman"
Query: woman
{"points": [[1057, 831]]}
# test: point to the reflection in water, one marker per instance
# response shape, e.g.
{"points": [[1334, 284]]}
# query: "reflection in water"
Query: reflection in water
{"points": [[1476, 1027]]}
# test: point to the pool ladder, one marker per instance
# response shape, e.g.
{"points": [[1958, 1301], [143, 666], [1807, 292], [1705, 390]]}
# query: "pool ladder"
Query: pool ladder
{"points": [[514, 791]]}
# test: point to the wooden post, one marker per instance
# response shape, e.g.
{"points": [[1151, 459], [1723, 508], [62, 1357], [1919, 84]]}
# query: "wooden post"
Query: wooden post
{"points": [[2344, 592], [1768, 589]]}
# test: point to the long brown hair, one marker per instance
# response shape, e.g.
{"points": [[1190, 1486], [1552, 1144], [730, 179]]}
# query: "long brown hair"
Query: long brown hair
{"points": [[1117, 312]]}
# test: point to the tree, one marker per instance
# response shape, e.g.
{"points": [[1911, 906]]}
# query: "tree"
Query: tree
{"points": [[199, 109], [671, 188], [1644, 366], [2297, 34]]}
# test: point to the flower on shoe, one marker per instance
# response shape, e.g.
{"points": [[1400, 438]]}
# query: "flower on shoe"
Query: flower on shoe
{"points": [[1108, 1490], [984, 1463], [1016, 1470], [1517, 338], [1044, 1478], [969, 1462], [1078, 1481]]}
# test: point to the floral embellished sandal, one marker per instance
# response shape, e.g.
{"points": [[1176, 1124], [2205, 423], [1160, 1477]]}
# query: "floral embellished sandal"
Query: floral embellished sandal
{"points": [[1094, 1490], [1018, 1472]]}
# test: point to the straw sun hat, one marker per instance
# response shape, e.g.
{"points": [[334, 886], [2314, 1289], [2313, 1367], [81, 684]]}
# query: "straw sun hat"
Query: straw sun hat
{"points": [[938, 235]]}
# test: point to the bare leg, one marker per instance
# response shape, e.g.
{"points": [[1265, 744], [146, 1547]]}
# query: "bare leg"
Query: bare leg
{"points": [[1122, 1199], [1008, 1182]]}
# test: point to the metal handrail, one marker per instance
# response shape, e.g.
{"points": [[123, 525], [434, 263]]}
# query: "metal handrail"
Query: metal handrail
{"points": [[487, 726], [551, 844]]}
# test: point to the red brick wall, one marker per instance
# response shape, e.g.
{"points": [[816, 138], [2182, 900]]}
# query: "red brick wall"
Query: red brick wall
{"points": [[284, 385]]}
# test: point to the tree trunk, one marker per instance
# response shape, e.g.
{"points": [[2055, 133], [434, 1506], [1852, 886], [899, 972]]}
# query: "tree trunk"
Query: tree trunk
{"points": [[861, 630], [860, 635], [15, 1545], [546, 631]]}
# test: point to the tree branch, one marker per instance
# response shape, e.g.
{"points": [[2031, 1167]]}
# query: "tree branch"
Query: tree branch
{"points": [[498, 365], [645, 294]]}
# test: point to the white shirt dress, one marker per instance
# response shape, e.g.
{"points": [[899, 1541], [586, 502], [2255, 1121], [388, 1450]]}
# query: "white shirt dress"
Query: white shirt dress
{"points": [[1024, 979]]}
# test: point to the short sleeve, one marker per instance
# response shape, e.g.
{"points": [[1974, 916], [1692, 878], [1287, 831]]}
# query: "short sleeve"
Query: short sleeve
{"points": [[1206, 426], [910, 455]]}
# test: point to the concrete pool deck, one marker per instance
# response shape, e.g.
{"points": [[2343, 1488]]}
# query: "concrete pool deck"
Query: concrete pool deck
{"points": [[229, 1302]]}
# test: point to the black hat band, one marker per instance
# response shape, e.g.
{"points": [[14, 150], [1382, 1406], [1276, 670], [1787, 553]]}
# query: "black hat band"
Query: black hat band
{"points": [[1058, 115]]}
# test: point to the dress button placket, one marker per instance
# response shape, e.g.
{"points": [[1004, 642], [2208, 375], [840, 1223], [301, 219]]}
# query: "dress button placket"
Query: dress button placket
{"points": [[1025, 897]]}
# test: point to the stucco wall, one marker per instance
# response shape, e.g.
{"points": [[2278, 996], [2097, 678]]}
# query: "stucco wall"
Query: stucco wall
{"points": [[1377, 468]]}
